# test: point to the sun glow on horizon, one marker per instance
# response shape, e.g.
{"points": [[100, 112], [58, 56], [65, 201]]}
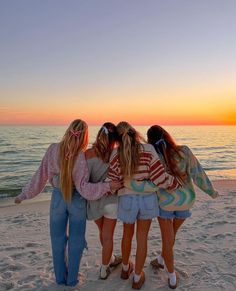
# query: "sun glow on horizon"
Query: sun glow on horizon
{"points": [[139, 115]]}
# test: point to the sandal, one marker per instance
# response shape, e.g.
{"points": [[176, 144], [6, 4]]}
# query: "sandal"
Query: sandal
{"points": [[108, 272], [138, 285], [117, 261], [155, 264], [172, 286], [125, 274], [177, 281]]}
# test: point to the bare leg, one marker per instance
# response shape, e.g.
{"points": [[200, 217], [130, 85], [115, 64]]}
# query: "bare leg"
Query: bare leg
{"points": [[177, 222], [128, 232], [107, 239], [143, 227], [168, 237], [99, 223]]}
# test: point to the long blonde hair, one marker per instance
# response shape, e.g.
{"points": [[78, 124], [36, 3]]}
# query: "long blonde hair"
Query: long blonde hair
{"points": [[73, 142], [129, 148], [106, 140]]}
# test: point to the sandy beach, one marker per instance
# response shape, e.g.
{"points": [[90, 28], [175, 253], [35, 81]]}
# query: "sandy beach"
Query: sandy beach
{"points": [[205, 250]]}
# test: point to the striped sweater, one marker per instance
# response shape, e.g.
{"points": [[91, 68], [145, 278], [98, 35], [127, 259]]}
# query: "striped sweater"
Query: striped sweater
{"points": [[150, 168], [182, 198]]}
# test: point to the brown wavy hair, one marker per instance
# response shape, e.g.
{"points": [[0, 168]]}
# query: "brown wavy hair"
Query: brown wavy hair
{"points": [[165, 146], [73, 142], [105, 142], [129, 148]]}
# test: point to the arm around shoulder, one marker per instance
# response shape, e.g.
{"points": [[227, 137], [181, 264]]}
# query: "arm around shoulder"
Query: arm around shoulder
{"points": [[90, 191], [159, 175]]}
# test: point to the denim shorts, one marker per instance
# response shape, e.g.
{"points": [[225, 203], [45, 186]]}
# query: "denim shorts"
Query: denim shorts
{"points": [[181, 214], [137, 206]]}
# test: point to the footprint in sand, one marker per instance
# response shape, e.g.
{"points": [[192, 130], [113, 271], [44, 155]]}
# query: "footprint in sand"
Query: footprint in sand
{"points": [[32, 245], [222, 236], [7, 275], [215, 223], [230, 257], [15, 267], [28, 279], [17, 255], [3, 264], [46, 254], [32, 253], [193, 240], [13, 248], [231, 209], [11, 267], [6, 286]]}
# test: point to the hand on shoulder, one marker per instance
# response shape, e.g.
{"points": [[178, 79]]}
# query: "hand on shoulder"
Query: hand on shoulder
{"points": [[116, 185]]}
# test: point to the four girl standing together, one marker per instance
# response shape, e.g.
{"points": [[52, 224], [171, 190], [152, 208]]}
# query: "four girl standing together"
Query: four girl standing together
{"points": [[151, 180]]}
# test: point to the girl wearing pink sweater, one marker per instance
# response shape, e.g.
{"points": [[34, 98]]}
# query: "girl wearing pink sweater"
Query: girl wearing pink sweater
{"points": [[65, 167]]}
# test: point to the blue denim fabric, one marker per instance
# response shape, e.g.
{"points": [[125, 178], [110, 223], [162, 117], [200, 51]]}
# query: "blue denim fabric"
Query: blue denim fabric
{"points": [[137, 206], [67, 244], [181, 214]]}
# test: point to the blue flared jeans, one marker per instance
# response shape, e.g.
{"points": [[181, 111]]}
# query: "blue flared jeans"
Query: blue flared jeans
{"points": [[67, 230]]}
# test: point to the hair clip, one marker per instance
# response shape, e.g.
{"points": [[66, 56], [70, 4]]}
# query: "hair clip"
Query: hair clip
{"points": [[105, 130], [160, 141], [75, 133]]}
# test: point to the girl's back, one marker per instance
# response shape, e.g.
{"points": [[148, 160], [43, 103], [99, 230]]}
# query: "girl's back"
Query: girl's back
{"points": [[183, 198], [97, 167]]}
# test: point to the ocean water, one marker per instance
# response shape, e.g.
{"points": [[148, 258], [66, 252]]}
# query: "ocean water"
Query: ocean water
{"points": [[22, 148]]}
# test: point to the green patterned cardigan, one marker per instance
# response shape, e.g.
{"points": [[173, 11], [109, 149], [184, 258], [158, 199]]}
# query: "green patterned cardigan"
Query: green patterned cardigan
{"points": [[183, 198]]}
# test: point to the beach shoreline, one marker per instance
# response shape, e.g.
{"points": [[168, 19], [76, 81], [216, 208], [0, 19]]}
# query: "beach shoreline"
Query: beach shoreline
{"points": [[46, 196], [205, 249]]}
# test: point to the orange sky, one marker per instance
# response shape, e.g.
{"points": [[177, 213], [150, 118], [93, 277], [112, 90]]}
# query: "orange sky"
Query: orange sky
{"points": [[180, 106], [168, 113], [161, 64]]}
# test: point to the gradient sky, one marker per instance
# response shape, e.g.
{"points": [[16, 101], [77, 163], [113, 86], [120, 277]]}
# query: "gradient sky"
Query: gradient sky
{"points": [[154, 61]]}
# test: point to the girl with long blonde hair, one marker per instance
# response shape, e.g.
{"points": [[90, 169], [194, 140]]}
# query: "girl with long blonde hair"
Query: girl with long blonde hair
{"points": [[136, 160], [65, 167]]}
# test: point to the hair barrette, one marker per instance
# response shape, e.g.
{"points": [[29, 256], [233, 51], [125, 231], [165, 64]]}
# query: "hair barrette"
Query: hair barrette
{"points": [[160, 141], [75, 133], [104, 129]]}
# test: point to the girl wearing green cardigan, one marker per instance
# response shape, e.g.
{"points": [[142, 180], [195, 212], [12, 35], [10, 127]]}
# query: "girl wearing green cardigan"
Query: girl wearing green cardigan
{"points": [[174, 207]]}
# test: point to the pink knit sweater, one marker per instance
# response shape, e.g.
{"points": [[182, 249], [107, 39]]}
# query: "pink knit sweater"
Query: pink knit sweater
{"points": [[49, 169]]}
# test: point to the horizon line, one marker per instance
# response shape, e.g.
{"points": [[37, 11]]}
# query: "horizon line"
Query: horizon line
{"points": [[135, 124]]}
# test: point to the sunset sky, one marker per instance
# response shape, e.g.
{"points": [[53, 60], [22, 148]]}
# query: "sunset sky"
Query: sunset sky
{"points": [[155, 61]]}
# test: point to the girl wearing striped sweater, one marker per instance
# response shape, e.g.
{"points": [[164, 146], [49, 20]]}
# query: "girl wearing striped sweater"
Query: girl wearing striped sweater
{"points": [[138, 161]]}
